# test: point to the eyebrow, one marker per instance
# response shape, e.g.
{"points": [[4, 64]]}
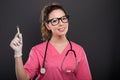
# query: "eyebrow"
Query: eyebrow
{"points": [[57, 17]]}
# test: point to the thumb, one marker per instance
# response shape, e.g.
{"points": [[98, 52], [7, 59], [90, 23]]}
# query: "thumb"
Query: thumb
{"points": [[18, 35]]}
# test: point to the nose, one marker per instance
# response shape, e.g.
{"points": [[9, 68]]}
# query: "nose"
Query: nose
{"points": [[60, 22]]}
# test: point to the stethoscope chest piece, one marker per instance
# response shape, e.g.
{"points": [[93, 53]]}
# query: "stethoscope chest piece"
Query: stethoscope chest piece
{"points": [[42, 70]]}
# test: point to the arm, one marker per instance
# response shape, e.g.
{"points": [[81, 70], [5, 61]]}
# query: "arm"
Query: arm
{"points": [[20, 72], [16, 44]]}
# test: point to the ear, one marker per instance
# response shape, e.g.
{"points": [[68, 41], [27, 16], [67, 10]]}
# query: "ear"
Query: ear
{"points": [[47, 26]]}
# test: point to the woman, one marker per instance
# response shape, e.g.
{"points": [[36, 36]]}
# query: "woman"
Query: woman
{"points": [[56, 58]]}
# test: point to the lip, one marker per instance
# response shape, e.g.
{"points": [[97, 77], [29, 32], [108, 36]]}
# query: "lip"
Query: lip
{"points": [[61, 29]]}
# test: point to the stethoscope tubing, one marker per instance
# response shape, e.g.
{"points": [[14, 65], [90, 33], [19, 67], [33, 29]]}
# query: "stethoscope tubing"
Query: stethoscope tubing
{"points": [[43, 70], [71, 50]]}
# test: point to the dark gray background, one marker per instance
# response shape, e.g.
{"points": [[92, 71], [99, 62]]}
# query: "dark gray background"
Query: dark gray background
{"points": [[94, 24]]}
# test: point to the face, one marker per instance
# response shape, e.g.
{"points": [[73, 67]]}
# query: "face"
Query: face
{"points": [[58, 23]]}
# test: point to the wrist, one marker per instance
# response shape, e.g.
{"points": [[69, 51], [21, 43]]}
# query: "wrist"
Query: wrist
{"points": [[17, 54]]}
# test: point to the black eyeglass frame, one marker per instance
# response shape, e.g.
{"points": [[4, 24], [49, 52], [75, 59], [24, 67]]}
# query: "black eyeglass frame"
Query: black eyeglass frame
{"points": [[50, 20]]}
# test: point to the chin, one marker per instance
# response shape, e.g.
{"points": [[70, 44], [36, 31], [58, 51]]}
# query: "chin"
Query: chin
{"points": [[62, 34]]}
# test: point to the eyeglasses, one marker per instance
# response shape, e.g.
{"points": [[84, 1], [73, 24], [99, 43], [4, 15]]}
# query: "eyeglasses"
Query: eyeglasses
{"points": [[56, 21]]}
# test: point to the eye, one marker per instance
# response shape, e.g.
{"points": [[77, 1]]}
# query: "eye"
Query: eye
{"points": [[64, 18], [54, 20]]}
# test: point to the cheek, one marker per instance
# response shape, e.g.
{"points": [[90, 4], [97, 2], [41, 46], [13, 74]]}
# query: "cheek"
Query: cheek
{"points": [[53, 29], [50, 27], [67, 26]]}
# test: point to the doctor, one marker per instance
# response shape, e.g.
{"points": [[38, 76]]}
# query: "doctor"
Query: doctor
{"points": [[48, 59]]}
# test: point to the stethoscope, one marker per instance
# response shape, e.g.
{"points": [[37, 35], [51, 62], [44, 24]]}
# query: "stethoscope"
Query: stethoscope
{"points": [[43, 69]]}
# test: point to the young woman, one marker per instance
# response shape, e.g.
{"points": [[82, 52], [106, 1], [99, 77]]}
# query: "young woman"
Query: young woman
{"points": [[57, 58]]}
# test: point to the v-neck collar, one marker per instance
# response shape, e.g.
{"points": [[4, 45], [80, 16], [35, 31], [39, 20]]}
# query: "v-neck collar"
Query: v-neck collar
{"points": [[63, 51]]}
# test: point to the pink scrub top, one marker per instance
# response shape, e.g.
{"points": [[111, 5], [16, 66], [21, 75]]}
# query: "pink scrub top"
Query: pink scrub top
{"points": [[54, 64]]}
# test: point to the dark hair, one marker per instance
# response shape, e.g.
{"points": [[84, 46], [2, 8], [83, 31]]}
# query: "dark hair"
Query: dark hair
{"points": [[47, 9]]}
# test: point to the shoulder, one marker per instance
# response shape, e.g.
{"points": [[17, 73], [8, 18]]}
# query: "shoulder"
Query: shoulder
{"points": [[40, 46], [78, 48], [80, 52], [38, 49], [76, 45]]}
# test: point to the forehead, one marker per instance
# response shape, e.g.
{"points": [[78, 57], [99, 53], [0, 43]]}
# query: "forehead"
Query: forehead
{"points": [[56, 13]]}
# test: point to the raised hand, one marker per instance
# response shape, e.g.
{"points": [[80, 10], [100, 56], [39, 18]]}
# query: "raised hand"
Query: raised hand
{"points": [[17, 43]]}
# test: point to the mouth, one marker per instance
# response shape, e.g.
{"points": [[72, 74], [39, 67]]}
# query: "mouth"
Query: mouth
{"points": [[61, 29]]}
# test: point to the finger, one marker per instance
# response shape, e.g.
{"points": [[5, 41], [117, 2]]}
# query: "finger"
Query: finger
{"points": [[13, 44], [16, 43], [18, 39], [20, 36]]}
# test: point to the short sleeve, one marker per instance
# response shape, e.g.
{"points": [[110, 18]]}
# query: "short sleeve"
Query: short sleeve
{"points": [[83, 71], [32, 64]]}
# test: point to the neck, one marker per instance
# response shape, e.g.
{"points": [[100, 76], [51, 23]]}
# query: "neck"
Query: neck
{"points": [[59, 40]]}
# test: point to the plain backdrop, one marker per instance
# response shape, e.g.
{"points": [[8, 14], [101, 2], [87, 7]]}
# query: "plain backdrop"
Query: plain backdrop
{"points": [[94, 24]]}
